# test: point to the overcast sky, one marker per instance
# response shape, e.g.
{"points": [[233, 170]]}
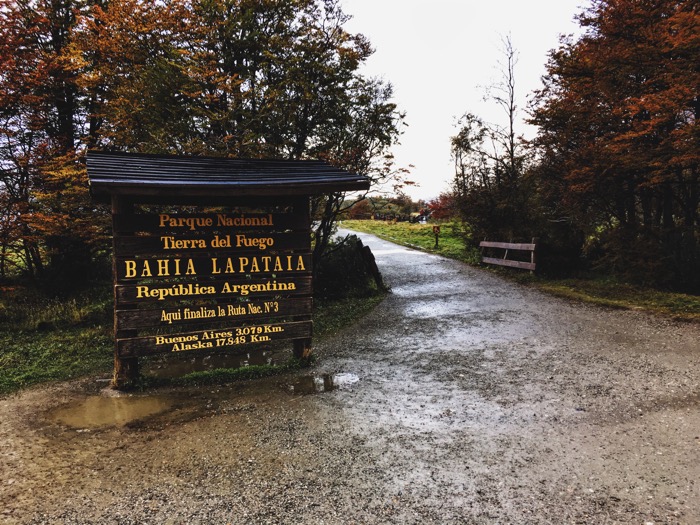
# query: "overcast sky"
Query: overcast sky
{"points": [[441, 54]]}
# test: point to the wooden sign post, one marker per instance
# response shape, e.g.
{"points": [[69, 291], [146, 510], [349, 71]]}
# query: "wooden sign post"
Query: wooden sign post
{"points": [[209, 263]]}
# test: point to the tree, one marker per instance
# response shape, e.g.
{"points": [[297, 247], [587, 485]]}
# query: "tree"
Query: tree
{"points": [[619, 141], [359, 140], [42, 190], [489, 185], [132, 71], [360, 209], [238, 78], [443, 206], [243, 78]]}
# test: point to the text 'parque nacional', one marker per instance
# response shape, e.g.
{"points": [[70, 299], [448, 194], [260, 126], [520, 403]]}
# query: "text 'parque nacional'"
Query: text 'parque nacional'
{"points": [[219, 220]]}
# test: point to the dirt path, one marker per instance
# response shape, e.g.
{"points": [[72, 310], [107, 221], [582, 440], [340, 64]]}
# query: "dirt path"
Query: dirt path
{"points": [[461, 399]]}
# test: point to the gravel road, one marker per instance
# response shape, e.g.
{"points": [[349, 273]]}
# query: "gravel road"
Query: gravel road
{"points": [[461, 399]]}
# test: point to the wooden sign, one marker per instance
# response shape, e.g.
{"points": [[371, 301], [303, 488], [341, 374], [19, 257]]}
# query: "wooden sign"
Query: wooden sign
{"points": [[230, 312], [214, 339], [210, 254], [168, 244], [241, 287], [220, 265], [210, 281], [172, 223]]}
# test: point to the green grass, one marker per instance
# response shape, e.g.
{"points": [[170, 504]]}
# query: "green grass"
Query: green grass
{"points": [[28, 358], [220, 376], [332, 316], [451, 240], [47, 339], [601, 291], [612, 294]]}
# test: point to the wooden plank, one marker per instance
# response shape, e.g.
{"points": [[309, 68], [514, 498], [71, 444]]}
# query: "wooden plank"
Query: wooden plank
{"points": [[231, 288], [208, 222], [229, 312], [216, 339], [507, 245], [129, 269], [508, 262], [125, 246]]}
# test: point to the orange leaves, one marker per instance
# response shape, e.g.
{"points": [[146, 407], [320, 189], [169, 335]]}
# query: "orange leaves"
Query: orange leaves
{"points": [[619, 129], [273, 78]]}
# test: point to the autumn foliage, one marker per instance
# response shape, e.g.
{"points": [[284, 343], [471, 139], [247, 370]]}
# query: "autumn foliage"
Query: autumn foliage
{"points": [[619, 138], [612, 180], [235, 78], [443, 207]]}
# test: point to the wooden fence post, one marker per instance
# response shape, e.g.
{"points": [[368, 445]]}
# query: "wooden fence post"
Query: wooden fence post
{"points": [[436, 231]]}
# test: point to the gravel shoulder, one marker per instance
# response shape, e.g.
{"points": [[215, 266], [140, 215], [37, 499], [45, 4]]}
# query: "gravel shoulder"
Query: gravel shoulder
{"points": [[461, 399]]}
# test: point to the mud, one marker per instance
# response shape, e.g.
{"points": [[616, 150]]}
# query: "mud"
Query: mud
{"points": [[461, 399]]}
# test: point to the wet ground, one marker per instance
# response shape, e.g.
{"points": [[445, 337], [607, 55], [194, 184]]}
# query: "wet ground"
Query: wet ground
{"points": [[461, 399]]}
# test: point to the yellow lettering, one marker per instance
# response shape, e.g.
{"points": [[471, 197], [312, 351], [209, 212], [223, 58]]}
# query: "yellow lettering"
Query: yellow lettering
{"points": [[261, 243], [172, 243], [130, 269], [146, 272], [163, 267]]}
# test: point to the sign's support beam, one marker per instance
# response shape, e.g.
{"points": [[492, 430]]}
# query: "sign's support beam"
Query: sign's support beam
{"points": [[302, 207], [126, 369]]}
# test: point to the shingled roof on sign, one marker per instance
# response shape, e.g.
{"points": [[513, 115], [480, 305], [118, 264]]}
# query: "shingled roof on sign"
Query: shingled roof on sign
{"points": [[130, 174]]}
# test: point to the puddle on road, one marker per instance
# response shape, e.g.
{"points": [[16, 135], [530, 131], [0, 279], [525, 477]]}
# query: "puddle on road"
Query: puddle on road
{"points": [[105, 411], [322, 383], [100, 412]]}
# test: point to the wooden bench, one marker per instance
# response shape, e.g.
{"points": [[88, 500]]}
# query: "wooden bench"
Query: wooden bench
{"points": [[508, 246]]}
